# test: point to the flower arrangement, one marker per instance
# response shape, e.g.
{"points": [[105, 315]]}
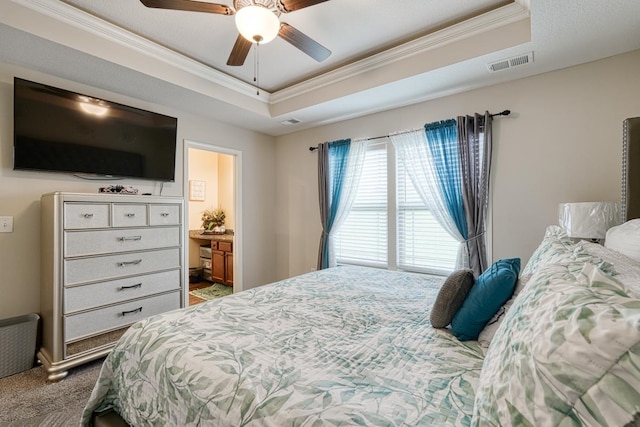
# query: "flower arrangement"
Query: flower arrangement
{"points": [[212, 218]]}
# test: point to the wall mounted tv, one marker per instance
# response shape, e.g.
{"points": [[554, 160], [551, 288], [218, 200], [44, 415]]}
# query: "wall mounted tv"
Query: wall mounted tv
{"points": [[57, 130]]}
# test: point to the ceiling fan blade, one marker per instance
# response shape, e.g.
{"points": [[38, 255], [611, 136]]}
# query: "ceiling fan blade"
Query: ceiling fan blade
{"points": [[303, 42], [239, 52], [189, 5], [291, 5]]}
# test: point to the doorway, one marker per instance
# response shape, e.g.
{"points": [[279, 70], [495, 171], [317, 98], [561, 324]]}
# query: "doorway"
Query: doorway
{"points": [[212, 183]]}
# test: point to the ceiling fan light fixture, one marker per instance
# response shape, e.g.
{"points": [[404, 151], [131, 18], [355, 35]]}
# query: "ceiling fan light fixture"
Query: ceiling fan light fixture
{"points": [[257, 24]]}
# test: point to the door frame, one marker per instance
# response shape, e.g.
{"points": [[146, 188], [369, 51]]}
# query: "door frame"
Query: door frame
{"points": [[238, 284]]}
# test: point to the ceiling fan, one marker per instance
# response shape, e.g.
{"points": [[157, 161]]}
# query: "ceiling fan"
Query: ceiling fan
{"points": [[257, 21]]}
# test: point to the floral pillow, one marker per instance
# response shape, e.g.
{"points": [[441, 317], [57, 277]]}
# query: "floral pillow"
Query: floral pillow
{"points": [[555, 245], [626, 270], [567, 353], [556, 248]]}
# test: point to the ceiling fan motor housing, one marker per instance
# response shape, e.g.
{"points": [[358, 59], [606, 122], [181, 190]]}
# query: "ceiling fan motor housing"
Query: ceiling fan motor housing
{"points": [[273, 5]]}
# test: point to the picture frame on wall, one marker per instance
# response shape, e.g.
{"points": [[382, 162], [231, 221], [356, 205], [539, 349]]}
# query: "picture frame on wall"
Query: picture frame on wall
{"points": [[196, 190]]}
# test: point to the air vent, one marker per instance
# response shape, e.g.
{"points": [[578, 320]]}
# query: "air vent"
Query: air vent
{"points": [[514, 61], [290, 122]]}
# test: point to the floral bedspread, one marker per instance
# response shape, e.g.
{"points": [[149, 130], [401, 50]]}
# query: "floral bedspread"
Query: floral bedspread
{"points": [[342, 346]]}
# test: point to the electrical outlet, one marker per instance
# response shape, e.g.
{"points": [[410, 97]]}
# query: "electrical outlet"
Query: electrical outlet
{"points": [[6, 224]]}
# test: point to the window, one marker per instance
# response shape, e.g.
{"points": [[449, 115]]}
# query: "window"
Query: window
{"points": [[389, 226], [362, 239]]}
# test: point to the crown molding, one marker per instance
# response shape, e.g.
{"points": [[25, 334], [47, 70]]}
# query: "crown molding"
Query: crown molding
{"points": [[491, 20], [68, 14]]}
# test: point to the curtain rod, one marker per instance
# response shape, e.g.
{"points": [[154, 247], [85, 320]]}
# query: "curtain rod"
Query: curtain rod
{"points": [[501, 113]]}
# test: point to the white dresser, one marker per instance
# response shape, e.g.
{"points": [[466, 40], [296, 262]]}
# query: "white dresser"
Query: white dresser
{"points": [[107, 261]]}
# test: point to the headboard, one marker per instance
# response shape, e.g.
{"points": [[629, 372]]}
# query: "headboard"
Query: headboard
{"points": [[631, 169]]}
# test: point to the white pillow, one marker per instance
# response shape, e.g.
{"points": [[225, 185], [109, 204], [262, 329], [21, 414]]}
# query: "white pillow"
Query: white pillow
{"points": [[487, 333], [625, 239]]}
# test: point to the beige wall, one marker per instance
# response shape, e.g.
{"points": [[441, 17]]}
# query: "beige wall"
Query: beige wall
{"points": [[20, 193], [226, 187], [203, 166], [562, 143]]}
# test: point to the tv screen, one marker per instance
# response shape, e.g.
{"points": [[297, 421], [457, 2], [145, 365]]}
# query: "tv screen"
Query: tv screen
{"points": [[57, 130]]}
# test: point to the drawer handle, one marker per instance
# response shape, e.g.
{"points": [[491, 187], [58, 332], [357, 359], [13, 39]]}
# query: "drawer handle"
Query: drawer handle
{"points": [[164, 214], [130, 215], [137, 310], [123, 263], [125, 238], [88, 215], [123, 288]]}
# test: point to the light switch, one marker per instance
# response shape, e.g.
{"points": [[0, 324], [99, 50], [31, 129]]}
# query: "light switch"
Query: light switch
{"points": [[6, 224]]}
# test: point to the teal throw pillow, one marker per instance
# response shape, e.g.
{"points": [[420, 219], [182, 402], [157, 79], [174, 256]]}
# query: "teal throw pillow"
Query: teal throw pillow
{"points": [[491, 290]]}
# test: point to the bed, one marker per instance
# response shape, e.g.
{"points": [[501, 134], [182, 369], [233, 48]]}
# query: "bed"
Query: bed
{"points": [[355, 346]]}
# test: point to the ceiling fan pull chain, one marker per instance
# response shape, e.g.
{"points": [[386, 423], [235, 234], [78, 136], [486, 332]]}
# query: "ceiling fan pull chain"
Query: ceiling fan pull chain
{"points": [[256, 65]]}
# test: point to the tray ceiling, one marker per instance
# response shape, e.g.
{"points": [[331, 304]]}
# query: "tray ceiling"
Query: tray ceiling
{"points": [[384, 54]]}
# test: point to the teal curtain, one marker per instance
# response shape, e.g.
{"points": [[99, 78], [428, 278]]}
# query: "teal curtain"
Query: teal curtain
{"points": [[442, 140], [332, 167]]}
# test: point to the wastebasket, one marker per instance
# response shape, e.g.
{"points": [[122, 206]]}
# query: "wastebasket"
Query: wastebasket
{"points": [[195, 274], [18, 337]]}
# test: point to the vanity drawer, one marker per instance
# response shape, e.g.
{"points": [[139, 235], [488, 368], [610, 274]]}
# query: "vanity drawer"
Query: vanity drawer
{"points": [[80, 270], [129, 215], [164, 214], [225, 246], [104, 319], [114, 291], [78, 243], [80, 215]]}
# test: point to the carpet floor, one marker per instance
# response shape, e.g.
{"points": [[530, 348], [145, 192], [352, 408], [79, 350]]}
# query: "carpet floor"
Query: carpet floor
{"points": [[212, 292], [27, 399]]}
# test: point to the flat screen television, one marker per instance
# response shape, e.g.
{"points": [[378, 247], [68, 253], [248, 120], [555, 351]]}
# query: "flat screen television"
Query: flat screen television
{"points": [[57, 130]]}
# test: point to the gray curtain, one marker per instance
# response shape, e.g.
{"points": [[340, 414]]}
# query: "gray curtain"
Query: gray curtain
{"points": [[323, 196], [474, 143], [332, 166]]}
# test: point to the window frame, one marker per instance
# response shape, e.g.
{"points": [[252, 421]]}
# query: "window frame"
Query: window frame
{"points": [[392, 222]]}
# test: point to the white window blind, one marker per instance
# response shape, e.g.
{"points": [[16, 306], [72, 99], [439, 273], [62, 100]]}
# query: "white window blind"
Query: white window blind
{"points": [[362, 239], [423, 245]]}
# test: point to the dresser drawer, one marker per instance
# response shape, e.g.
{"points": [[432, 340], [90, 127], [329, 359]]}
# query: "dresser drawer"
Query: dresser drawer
{"points": [[100, 268], [129, 215], [81, 215], [78, 243], [164, 214], [104, 319], [114, 291]]}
